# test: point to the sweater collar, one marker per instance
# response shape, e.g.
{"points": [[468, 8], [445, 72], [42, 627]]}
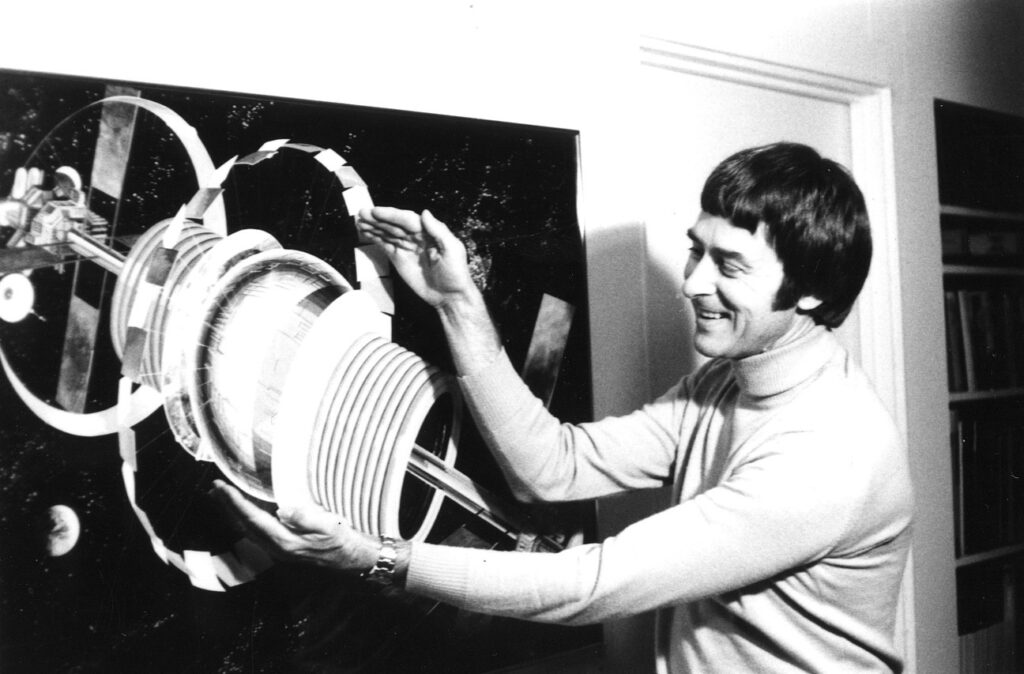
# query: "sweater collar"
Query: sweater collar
{"points": [[780, 370]]}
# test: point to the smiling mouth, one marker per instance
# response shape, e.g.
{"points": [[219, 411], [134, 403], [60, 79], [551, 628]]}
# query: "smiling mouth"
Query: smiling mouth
{"points": [[710, 315]]}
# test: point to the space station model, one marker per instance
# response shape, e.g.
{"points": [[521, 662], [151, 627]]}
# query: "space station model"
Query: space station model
{"points": [[266, 361]]}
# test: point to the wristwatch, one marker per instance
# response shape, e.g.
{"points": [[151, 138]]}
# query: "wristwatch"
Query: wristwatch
{"points": [[383, 570]]}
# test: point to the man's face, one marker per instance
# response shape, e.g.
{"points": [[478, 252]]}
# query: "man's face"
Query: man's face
{"points": [[732, 277]]}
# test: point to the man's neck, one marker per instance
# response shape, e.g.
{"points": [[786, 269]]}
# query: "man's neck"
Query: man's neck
{"points": [[782, 368]]}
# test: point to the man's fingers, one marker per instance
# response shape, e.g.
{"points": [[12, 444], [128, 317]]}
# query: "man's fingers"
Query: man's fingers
{"points": [[393, 218], [256, 523], [403, 235], [398, 223], [399, 230], [392, 244], [388, 230]]}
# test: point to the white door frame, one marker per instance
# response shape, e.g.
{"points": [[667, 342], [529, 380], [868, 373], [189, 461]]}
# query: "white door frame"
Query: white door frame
{"points": [[879, 306]]}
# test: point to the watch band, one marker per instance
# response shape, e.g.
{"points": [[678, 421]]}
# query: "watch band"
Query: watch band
{"points": [[383, 570]]}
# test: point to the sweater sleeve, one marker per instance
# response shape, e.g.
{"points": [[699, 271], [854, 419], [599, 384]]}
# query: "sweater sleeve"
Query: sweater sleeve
{"points": [[773, 514], [544, 459]]}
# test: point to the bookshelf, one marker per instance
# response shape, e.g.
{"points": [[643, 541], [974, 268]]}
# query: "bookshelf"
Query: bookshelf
{"points": [[981, 224]]}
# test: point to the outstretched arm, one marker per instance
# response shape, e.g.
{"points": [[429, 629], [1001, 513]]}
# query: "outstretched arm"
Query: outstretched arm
{"points": [[432, 261], [788, 506]]}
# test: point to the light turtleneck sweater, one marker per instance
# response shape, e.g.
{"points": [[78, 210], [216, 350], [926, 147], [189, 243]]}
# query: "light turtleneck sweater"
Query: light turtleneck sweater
{"points": [[786, 541]]}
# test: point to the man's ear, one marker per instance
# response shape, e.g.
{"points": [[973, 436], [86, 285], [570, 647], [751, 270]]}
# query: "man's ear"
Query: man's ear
{"points": [[808, 303]]}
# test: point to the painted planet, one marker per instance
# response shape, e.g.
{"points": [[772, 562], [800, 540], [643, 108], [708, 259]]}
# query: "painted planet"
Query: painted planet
{"points": [[16, 297], [64, 530]]}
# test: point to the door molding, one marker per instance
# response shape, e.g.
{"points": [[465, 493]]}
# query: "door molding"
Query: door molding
{"points": [[879, 305]]}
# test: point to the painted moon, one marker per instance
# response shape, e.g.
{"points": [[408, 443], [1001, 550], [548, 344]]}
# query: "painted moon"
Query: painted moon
{"points": [[64, 530], [16, 297]]}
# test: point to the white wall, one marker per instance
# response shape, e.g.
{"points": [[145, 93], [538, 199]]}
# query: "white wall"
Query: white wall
{"points": [[572, 64]]}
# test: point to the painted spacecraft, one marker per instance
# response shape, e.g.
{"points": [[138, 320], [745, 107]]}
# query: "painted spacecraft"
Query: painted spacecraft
{"points": [[265, 361]]}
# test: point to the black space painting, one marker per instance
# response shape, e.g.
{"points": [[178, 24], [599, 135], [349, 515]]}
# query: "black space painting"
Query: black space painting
{"points": [[81, 589]]}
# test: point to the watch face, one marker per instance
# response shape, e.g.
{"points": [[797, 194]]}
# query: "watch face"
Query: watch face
{"points": [[380, 576], [383, 571]]}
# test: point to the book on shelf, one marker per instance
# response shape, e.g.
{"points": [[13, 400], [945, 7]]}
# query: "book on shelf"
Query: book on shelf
{"points": [[984, 339], [966, 307], [1005, 338], [980, 240], [1015, 302], [994, 243], [956, 366], [958, 437], [988, 475], [954, 240], [981, 598]]}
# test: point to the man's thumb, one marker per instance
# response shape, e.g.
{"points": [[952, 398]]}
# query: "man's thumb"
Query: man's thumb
{"points": [[436, 229]]}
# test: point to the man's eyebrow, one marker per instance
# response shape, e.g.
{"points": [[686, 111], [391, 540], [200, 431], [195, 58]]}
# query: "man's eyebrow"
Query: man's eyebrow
{"points": [[721, 253], [729, 255]]}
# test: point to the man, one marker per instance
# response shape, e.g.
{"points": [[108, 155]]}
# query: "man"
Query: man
{"points": [[790, 524]]}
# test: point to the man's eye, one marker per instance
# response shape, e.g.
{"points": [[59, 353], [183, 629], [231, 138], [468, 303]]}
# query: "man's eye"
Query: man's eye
{"points": [[730, 269]]}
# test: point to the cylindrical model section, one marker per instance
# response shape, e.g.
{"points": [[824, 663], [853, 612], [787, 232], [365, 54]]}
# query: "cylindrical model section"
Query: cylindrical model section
{"points": [[273, 367], [140, 267], [372, 409], [354, 408], [256, 322]]}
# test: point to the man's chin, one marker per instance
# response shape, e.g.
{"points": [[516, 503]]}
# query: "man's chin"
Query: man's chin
{"points": [[707, 350]]}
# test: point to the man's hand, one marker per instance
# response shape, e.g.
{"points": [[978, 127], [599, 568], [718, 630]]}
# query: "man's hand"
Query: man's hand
{"points": [[430, 259], [307, 535]]}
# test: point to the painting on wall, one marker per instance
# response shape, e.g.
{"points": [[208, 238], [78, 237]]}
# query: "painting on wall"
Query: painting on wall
{"points": [[184, 297]]}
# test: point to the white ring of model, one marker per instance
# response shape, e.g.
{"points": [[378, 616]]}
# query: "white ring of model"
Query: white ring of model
{"points": [[144, 401]]}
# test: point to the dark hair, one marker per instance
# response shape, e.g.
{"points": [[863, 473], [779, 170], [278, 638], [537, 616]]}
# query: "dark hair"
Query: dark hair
{"points": [[814, 216]]}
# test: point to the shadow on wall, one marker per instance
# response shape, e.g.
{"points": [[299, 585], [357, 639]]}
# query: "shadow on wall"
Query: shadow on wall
{"points": [[641, 326], [670, 339], [641, 340]]}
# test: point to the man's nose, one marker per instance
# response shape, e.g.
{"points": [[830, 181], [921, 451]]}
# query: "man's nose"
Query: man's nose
{"points": [[699, 278]]}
